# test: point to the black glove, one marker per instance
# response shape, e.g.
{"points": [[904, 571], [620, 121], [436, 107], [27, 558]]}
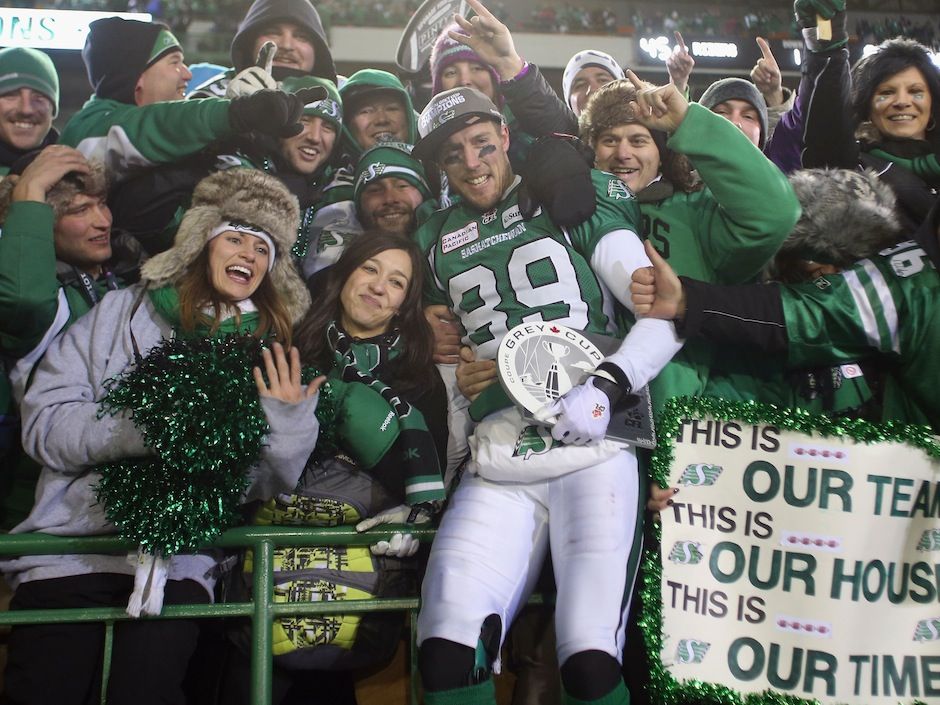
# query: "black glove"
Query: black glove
{"points": [[557, 176], [807, 13], [272, 112]]}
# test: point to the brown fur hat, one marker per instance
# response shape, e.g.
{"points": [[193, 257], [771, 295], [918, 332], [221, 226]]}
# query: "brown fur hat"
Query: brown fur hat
{"points": [[94, 183], [250, 196], [609, 107]]}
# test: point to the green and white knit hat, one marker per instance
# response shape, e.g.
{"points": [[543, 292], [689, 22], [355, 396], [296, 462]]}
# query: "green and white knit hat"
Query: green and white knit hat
{"points": [[329, 109], [21, 67], [390, 159], [117, 51]]}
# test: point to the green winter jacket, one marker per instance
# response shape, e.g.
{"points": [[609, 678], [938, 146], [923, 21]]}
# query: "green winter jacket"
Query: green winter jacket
{"points": [[128, 137], [724, 233], [35, 307]]}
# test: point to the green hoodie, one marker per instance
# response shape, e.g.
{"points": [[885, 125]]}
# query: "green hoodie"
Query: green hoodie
{"points": [[723, 233], [362, 81], [341, 187]]}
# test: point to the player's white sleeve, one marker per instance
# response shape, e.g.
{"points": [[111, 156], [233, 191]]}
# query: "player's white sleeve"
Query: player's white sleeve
{"points": [[651, 343]]}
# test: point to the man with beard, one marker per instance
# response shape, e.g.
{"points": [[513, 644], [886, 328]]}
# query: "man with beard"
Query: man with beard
{"points": [[29, 100], [295, 28], [389, 189]]}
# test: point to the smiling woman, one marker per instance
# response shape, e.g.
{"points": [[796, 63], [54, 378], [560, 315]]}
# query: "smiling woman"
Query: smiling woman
{"points": [[379, 464], [894, 99], [228, 272]]}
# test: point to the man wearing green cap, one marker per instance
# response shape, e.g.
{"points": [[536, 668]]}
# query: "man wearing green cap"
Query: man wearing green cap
{"points": [[29, 100], [389, 187], [136, 119]]}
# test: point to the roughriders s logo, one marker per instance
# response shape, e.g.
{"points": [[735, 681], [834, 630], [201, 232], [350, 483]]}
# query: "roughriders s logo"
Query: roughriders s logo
{"points": [[326, 107], [617, 189], [691, 651], [374, 171], [686, 553], [700, 475], [534, 440]]}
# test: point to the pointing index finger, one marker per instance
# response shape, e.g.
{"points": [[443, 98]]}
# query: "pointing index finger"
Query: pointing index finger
{"points": [[765, 51], [266, 56], [679, 39], [635, 80]]}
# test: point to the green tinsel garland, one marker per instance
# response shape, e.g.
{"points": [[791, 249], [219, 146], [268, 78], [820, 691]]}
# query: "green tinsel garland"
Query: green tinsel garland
{"points": [[664, 688], [195, 403]]}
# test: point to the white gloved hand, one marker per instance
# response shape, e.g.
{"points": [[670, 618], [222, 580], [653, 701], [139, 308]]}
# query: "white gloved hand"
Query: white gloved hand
{"points": [[582, 414], [249, 81], [399, 546], [254, 78]]}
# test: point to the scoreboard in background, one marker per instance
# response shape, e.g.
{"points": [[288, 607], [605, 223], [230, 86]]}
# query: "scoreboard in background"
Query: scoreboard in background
{"points": [[52, 29], [734, 54]]}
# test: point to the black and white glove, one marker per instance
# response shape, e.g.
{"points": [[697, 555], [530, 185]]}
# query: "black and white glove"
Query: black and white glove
{"points": [[254, 78], [583, 414], [401, 544], [557, 176], [272, 112]]}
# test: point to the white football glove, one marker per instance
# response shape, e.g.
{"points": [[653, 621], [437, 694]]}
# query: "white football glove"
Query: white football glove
{"points": [[254, 78], [582, 414], [401, 545]]}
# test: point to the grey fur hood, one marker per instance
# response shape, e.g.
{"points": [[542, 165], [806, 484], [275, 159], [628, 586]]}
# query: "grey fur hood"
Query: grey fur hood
{"points": [[847, 216], [250, 196]]}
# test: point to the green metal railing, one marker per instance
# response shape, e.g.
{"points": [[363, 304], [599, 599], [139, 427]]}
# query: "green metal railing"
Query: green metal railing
{"points": [[261, 610]]}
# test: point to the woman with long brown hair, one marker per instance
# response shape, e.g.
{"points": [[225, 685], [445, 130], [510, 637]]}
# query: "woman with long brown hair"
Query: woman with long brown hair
{"points": [[378, 461], [229, 271]]}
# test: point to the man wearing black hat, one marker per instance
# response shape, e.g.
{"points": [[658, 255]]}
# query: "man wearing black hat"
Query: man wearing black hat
{"points": [[135, 118], [496, 267], [296, 30]]}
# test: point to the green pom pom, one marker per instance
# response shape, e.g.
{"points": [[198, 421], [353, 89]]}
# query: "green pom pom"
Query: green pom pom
{"points": [[196, 405]]}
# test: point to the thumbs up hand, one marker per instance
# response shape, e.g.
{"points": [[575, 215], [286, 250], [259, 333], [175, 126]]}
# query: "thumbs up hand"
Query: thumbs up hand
{"points": [[256, 77], [656, 291]]}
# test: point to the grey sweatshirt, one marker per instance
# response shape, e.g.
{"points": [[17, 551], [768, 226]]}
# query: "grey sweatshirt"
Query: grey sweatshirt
{"points": [[62, 431]]}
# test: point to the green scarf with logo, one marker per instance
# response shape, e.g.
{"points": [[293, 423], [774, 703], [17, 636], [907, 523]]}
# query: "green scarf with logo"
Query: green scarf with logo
{"points": [[359, 361]]}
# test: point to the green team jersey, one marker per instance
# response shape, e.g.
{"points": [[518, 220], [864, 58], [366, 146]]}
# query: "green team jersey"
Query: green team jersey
{"points": [[496, 270], [887, 304]]}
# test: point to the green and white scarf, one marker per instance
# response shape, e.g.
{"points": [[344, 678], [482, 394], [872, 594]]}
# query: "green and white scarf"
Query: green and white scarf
{"points": [[358, 361]]}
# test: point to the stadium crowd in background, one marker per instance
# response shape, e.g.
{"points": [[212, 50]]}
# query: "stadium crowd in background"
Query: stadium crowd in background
{"points": [[367, 250]]}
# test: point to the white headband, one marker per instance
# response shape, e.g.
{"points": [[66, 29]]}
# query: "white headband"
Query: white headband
{"points": [[240, 227]]}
